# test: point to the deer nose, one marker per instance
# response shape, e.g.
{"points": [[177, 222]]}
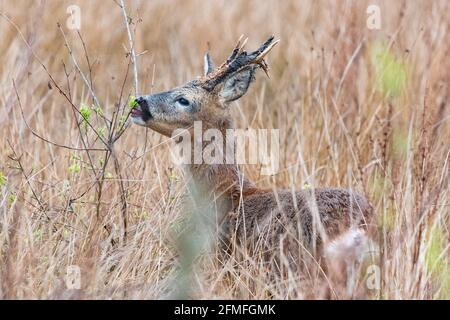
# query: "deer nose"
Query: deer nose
{"points": [[142, 102]]}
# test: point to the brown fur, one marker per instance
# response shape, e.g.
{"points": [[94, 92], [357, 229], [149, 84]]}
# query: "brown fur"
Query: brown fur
{"points": [[257, 215]]}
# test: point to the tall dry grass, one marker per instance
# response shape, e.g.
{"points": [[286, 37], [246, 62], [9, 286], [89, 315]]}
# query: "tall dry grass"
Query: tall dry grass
{"points": [[358, 108]]}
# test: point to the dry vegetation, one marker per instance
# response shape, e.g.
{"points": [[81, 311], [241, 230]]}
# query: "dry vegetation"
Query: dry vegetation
{"points": [[359, 108]]}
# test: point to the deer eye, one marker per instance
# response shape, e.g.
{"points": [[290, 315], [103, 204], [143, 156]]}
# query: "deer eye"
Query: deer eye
{"points": [[183, 101]]}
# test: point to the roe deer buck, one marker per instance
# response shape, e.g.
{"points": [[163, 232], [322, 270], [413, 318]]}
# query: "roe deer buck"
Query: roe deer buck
{"points": [[258, 219]]}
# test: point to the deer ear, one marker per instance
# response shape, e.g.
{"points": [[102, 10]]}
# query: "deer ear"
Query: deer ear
{"points": [[208, 64], [237, 84]]}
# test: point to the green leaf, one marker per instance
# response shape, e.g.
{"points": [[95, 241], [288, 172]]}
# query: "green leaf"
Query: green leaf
{"points": [[3, 179], [101, 131], [85, 112], [97, 110], [74, 168], [11, 198], [132, 102]]}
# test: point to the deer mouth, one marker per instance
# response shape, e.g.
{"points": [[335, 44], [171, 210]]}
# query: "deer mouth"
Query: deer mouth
{"points": [[139, 112], [136, 112]]}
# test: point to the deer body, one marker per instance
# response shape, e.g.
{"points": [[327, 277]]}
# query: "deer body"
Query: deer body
{"points": [[247, 215], [258, 218]]}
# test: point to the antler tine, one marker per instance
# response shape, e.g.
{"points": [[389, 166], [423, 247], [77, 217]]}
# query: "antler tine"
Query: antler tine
{"points": [[264, 46], [236, 49], [240, 59], [262, 52], [265, 49], [241, 48]]}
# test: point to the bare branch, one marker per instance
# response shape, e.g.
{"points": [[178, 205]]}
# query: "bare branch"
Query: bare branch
{"points": [[53, 81], [41, 137], [130, 40], [77, 66]]}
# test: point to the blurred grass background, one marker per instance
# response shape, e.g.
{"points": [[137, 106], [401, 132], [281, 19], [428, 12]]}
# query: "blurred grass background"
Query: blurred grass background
{"points": [[359, 108]]}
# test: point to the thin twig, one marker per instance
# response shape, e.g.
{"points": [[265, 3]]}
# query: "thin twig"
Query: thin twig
{"points": [[130, 40], [77, 66], [52, 79], [88, 61], [41, 137]]}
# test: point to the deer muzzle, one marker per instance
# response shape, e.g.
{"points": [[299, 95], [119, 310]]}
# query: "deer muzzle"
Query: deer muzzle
{"points": [[142, 110]]}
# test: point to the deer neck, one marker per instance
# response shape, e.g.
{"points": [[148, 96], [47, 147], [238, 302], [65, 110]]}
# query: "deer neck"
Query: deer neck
{"points": [[220, 180]]}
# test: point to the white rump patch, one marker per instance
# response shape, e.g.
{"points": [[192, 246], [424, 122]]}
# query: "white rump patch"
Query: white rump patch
{"points": [[349, 246]]}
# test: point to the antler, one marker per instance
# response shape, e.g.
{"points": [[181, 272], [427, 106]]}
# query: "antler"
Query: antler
{"points": [[238, 60]]}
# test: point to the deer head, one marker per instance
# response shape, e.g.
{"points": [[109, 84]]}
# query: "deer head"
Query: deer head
{"points": [[204, 99]]}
